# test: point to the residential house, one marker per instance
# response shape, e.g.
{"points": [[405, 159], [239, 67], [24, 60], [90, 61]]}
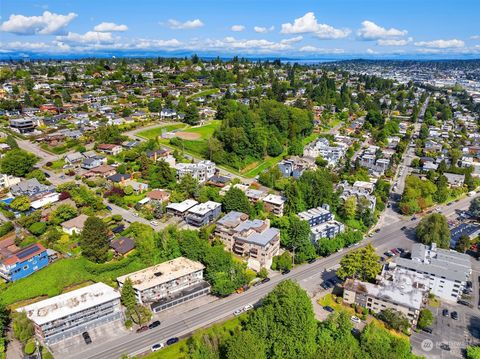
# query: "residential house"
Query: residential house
{"points": [[22, 125], [7, 181], [180, 209], [295, 166], [104, 171], [31, 188], [74, 158], [110, 149], [74, 225], [274, 204], [158, 195], [24, 262], [122, 245], [455, 180]]}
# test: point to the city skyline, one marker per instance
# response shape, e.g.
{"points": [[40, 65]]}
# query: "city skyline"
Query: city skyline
{"points": [[306, 29]]}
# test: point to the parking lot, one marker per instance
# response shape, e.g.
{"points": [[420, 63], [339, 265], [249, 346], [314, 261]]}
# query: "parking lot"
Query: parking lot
{"points": [[457, 334]]}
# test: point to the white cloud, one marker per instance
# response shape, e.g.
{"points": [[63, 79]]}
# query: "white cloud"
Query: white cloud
{"points": [[394, 42], [371, 31], [309, 24], [441, 44], [110, 27], [237, 28], [372, 52], [46, 24], [262, 29], [292, 40], [475, 37], [189, 24], [318, 50], [148, 44], [90, 37]]}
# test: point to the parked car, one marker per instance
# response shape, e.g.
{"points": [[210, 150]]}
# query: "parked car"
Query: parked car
{"points": [[142, 328], [266, 280], [157, 346], [247, 307], [465, 302], [154, 223], [87, 338], [394, 251], [454, 315], [324, 285], [286, 271], [445, 312], [154, 324], [109, 208], [329, 309], [172, 341], [403, 228], [445, 347], [312, 260], [237, 312], [428, 330], [355, 319]]}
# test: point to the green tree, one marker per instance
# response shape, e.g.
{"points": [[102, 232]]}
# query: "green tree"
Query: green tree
{"points": [[282, 262], [94, 240], [192, 116], [434, 229], [188, 185], [425, 319], [17, 162], [297, 238], [22, 326], [394, 319], [362, 264], [38, 174], [245, 345], [20, 203], [473, 352], [474, 208], [285, 323], [350, 207], [38, 228], [236, 200], [63, 213], [128, 297], [462, 244]]}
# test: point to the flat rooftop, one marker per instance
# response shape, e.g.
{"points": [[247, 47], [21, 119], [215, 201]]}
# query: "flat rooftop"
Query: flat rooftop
{"points": [[162, 273], [203, 208], [69, 303], [312, 213], [182, 206]]}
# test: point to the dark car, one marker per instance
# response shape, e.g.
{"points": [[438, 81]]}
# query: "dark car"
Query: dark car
{"points": [[109, 208], [312, 260], [329, 309], [324, 285], [172, 341], [382, 259], [464, 302], [428, 330], [154, 324], [87, 338], [403, 228], [286, 271], [445, 347], [46, 174], [445, 312], [266, 280], [142, 328], [377, 230], [454, 315], [401, 250]]}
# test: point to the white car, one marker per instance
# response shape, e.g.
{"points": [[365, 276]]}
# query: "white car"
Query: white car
{"points": [[237, 312], [135, 214], [355, 319], [154, 223], [157, 346], [247, 307]]}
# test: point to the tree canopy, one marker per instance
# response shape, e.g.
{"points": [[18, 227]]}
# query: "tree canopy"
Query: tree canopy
{"points": [[362, 264], [17, 162], [434, 229]]}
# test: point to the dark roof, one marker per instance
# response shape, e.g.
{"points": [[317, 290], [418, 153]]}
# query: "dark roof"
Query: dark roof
{"points": [[119, 177], [122, 245]]}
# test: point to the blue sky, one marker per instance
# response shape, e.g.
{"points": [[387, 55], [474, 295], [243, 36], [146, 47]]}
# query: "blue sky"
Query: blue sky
{"points": [[371, 28]]}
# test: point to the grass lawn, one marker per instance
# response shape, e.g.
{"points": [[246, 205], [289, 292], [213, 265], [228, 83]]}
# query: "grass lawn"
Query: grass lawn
{"points": [[153, 133], [207, 130], [180, 349], [56, 165], [52, 280], [264, 165], [204, 93]]}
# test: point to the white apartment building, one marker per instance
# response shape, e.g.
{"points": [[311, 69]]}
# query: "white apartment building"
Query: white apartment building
{"points": [[70, 314], [447, 270], [7, 181], [168, 284], [201, 171]]}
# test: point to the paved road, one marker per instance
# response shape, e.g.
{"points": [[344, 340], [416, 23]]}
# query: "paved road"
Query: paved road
{"points": [[390, 236]]}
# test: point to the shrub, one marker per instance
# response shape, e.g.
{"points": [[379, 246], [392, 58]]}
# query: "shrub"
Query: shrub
{"points": [[38, 228], [117, 217], [5, 228], [30, 347]]}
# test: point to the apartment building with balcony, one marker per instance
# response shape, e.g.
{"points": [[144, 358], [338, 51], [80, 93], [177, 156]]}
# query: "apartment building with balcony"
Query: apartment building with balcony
{"points": [[70, 314], [201, 171], [168, 284], [203, 213], [253, 239], [322, 223]]}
